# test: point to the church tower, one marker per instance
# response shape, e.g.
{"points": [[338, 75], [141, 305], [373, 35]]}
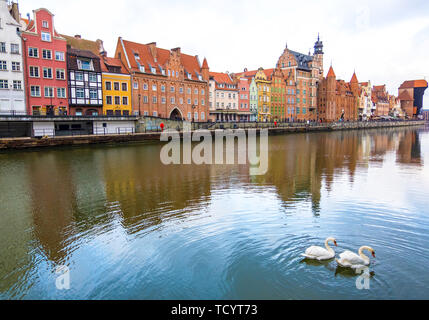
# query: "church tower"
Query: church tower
{"points": [[318, 57]]}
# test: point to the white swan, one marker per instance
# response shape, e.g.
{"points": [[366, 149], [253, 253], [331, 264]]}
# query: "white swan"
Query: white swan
{"points": [[349, 259], [319, 253]]}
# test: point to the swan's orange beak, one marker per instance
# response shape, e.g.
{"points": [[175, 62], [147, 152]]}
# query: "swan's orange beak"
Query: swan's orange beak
{"points": [[373, 254]]}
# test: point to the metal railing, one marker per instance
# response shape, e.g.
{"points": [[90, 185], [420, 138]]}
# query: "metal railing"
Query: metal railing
{"points": [[39, 133]]}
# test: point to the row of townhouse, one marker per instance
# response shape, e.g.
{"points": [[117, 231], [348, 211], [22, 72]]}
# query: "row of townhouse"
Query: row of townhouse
{"points": [[43, 72]]}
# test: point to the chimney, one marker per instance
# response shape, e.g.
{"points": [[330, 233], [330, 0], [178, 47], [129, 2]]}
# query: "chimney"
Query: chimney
{"points": [[15, 12], [100, 44], [152, 48], [78, 36], [177, 50]]}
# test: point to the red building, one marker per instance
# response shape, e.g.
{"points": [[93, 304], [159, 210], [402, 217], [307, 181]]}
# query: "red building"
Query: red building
{"points": [[338, 100], [243, 85], [44, 52]]}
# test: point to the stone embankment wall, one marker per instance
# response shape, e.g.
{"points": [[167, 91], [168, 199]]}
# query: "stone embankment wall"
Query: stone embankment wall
{"points": [[24, 143]]}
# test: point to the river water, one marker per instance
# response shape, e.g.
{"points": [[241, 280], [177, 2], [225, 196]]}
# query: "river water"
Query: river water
{"points": [[128, 227]]}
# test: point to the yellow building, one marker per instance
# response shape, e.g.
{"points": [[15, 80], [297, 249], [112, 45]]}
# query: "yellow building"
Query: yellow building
{"points": [[116, 87], [263, 83]]}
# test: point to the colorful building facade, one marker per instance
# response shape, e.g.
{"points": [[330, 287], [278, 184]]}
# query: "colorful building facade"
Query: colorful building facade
{"points": [[166, 83], [380, 97], [224, 98], [12, 86], [116, 81], [45, 66]]}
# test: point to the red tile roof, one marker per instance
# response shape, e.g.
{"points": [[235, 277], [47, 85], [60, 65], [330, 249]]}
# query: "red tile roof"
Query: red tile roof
{"points": [[414, 84], [138, 53], [331, 73], [405, 96], [221, 77]]}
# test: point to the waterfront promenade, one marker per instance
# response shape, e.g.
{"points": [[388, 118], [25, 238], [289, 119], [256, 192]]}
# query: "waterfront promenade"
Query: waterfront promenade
{"points": [[147, 133]]}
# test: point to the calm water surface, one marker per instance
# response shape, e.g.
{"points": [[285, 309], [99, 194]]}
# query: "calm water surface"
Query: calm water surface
{"points": [[130, 228]]}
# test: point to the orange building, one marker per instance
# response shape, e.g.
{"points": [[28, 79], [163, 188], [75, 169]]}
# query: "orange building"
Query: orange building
{"points": [[337, 99], [166, 83], [380, 97]]}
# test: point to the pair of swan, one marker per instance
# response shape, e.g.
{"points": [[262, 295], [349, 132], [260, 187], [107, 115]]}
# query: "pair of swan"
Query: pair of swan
{"points": [[347, 259]]}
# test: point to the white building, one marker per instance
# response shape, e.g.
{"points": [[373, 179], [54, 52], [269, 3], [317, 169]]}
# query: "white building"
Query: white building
{"points": [[12, 93], [224, 98]]}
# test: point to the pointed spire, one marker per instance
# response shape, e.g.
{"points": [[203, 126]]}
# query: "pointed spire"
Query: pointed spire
{"points": [[331, 73], [205, 64], [354, 78]]}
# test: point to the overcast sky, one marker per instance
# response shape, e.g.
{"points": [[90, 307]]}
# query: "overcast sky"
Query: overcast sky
{"points": [[386, 41]]}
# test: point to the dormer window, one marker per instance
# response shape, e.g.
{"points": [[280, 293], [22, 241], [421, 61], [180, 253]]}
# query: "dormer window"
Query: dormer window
{"points": [[141, 68], [136, 55], [45, 24], [200, 78], [153, 70], [189, 76], [85, 64]]}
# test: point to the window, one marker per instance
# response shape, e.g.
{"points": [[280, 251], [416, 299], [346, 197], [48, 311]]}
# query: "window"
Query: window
{"points": [[3, 47], [108, 85], [171, 89], [181, 90], [49, 92], [61, 74], [45, 24], [47, 73], [145, 99], [202, 92], [47, 54], [154, 99], [93, 94], [109, 100], [4, 84], [125, 101], [118, 100], [196, 102], [136, 85], [116, 86], [196, 115], [141, 69], [46, 36], [92, 77], [196, 91], [59, 55], [173, 100], [14, 48], [34, 72], [79, 76], [203, 116], [85, 64], [163, 100], [61, 92], [3, 65], [189, 90], [189, 116], [203, 102], [189, 101], [145, 86], [80, 93], [154, 88], [33, 52], [124, 86], [35, 91], [162, 88]]}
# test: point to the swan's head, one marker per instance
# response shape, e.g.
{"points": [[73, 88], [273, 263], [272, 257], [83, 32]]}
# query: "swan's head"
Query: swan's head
{"points": [[333, 240], [371, 250]]}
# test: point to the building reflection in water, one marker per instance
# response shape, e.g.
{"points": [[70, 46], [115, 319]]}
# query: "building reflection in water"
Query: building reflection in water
{"points": [[74, 191]]}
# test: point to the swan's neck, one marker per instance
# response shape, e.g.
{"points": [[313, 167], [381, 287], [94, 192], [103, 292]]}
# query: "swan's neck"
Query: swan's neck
{"points": [[327, 246], [362, 255]]}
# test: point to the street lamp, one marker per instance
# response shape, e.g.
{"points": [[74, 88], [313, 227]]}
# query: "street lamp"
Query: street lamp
{"points": [[140, 112]]}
